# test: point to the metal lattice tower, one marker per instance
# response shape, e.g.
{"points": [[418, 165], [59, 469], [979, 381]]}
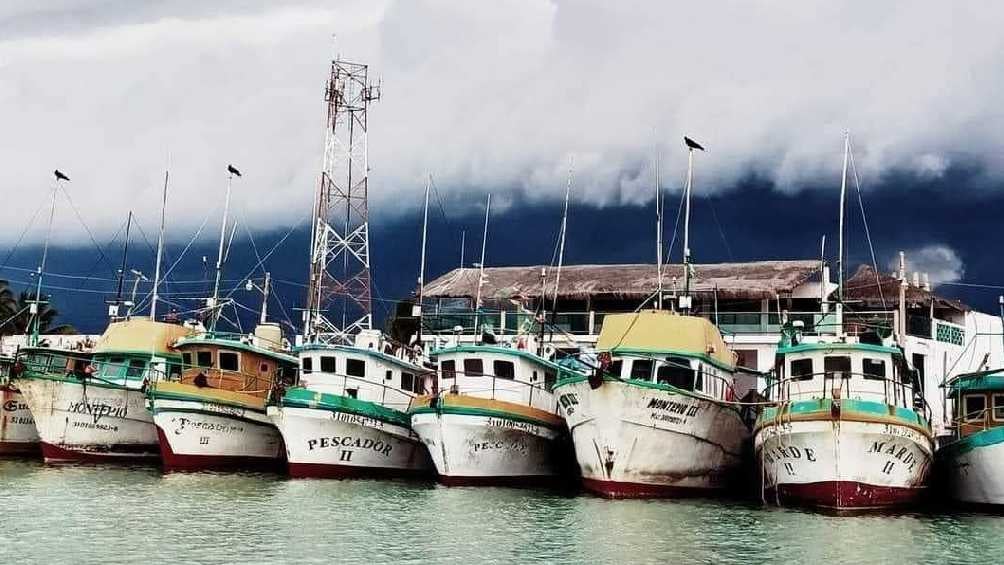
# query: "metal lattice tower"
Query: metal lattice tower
{"points": [[338, 303]]}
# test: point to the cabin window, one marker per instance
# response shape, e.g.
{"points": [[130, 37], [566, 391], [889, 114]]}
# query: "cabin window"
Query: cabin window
{"points": [[173, 370], [229, 361], [407, 381], [329, 364], [975, 407], [115, 367], [615, 368], [676, 372], [352, 392], [504, 369], [186, 359], [204, 358], [355, 368], [136, 367], [999, 407], [873, 368], [308, 365], [802, 370], [448, 368], [533, 377], [473, 367], [389, 375], [641, 369], [550, 378], [837, 367]]}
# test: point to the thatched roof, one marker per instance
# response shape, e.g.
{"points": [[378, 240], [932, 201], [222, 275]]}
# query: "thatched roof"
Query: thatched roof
{"points": [[752, 280], [863, 288]]}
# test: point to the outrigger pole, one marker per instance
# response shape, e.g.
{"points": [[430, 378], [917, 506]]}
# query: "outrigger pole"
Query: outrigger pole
{"points": [[34, 308], [840, 243], [685, 300], [421, 265], [481, 266], [215, 309], [160, 250]]}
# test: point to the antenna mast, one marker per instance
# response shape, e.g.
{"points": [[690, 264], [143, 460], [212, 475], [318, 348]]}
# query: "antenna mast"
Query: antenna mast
{"points": [[481, 266], [421, 268], [215, 309], [561, 245], [35, 307], [685, 299], [658, 230], [160, 251], [338, 297]]}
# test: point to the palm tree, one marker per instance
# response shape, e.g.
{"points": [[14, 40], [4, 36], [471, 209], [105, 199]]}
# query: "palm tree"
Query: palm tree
{"points": [[19, 321]]}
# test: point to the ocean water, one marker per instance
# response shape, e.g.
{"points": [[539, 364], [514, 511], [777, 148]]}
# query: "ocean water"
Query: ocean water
{"points": [[103, 514]]}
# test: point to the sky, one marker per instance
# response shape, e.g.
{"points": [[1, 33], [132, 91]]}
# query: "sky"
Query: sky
{"points": [[500, 97]]}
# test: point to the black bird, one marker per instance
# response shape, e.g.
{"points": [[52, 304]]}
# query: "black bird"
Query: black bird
{"points": [[61, 176], [692, 144], [233, 170]]}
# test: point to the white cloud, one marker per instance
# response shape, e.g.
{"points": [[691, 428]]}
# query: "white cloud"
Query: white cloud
{"points": [[939, 261], [488, 95]]}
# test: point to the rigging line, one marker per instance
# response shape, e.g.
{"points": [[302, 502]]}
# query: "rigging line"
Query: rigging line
{"points": [[93, 269], [721, 230], [275, 247], [175, 264], [676, 226], [80, 218], [439, 202], [864, 220], [20, 238], [254, 247]]}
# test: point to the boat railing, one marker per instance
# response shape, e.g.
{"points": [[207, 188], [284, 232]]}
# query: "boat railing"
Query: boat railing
{"points": [[223, 379], [504, 389], [838, 385], [364, 388]]}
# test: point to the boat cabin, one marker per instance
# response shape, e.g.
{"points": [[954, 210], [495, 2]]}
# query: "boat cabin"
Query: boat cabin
{"points": [[978, 401], [232, 363], [370, 370], [842, 369], [498, 373]]}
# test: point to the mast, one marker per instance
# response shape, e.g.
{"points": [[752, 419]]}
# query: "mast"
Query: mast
{"points": [[264, 299], [561, 245], [215, 309], [840, 243], [463, 243], [658, 231], [481, 266], [35, 307], [421, 267], [160, 251], [685, 299], [115, 305]]}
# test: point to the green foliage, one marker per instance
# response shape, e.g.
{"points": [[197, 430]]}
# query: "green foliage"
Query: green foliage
{"points": [[16, 319]]}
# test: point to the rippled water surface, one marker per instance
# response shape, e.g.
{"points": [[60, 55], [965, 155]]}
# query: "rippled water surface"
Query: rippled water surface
{"points": [[111, 514]]}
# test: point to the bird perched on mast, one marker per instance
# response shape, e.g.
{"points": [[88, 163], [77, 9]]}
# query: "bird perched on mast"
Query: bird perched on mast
{"points": [[61, 176], [232, 170], [692, 144]]}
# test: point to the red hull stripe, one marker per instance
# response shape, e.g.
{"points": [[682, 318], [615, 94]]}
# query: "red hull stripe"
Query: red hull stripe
{"points": [[20, 448], [108, 453], [616, 489], [843, 495], [325, 471], [188, 462]]}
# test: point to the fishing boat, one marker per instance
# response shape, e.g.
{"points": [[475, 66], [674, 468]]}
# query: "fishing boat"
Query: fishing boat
{"points": [[96, 411], [849, 428], [347, 415], [493, 418], [657, 417], [972, 461], [846, 432], [18, 435], [212, 415]]}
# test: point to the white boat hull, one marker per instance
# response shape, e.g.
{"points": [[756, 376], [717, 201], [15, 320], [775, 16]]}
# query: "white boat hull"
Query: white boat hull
{"points": [[18, 435], [325, 443], [976, 475], [842, 464], [470, 449], [640, 441], [90, 423], [206, 435]]}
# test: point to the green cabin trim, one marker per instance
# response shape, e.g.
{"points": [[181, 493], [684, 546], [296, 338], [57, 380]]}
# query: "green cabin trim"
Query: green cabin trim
{"points": [[983, 381], [496, 351], [304, 398], [483, 412], [379, 355], [154, 395], [822, 407], [237, 345], [838, 346], [656, 353], [579, 378], [984, 438]]}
